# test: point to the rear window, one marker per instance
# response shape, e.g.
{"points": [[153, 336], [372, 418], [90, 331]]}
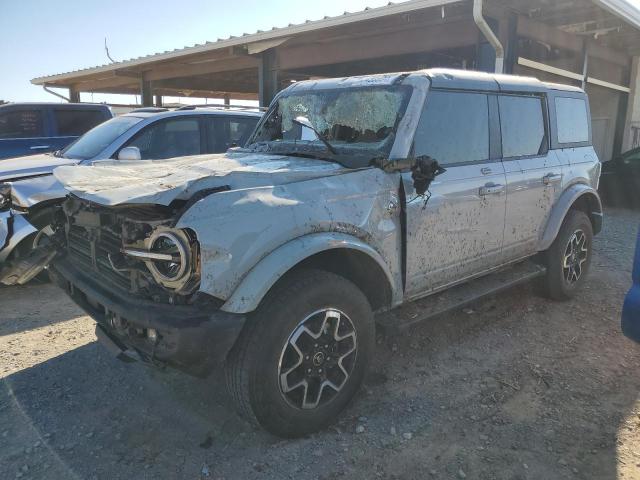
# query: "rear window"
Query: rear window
{"points": [[522, 123], [73, 123], [573, 123], [21, 124]]}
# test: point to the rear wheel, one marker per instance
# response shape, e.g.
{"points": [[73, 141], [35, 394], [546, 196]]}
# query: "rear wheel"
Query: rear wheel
{"points": [[303, 354], [569, 257]]}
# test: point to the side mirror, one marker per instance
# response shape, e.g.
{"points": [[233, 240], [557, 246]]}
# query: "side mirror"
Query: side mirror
{"points": [[129, 153]]}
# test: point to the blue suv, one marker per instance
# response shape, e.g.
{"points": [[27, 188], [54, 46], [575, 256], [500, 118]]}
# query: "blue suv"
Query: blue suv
{"points": [[32, 128], [631, 309]]}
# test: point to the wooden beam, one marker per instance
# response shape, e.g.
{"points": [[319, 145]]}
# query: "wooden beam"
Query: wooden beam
{"points": [[175, 70], [111, 82], [401, 42]]}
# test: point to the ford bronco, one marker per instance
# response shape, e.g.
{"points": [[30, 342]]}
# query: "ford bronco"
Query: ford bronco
{"points": [[354, 201]]}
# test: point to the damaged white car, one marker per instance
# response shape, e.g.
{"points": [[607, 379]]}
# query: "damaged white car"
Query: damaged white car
{"points": [[354, 197]]}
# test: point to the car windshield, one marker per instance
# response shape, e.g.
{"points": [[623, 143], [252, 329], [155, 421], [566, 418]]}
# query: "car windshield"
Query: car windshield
{"points": [[359, 123], [98, 138]]}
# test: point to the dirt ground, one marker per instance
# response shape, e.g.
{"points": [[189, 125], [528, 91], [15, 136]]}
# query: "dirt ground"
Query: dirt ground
{"points": [[516, 387]]}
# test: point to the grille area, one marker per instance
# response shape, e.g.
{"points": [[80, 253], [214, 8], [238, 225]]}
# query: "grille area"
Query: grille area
{"points": [[81, 247]]}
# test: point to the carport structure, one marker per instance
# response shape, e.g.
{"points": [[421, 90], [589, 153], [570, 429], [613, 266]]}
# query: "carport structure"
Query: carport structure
{"points": [[590, 43]]}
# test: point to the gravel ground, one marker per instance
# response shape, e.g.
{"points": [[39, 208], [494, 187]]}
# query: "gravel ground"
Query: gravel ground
{"points": [[514, 387]]}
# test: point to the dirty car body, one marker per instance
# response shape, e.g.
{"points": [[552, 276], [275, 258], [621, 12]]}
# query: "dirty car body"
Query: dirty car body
{"points": [[181, 261]]}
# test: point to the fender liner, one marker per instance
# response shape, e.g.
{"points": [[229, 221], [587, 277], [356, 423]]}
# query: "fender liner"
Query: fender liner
{"points": [[562, 207], [259, 280]]}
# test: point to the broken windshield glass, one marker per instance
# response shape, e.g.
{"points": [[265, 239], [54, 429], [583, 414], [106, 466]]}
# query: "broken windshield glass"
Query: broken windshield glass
{"points": [[359, 122]]}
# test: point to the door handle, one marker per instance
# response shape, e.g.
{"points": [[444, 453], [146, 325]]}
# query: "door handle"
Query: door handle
{"points": [[550, 178], [39, 147], [485, 171], [491, 189]]}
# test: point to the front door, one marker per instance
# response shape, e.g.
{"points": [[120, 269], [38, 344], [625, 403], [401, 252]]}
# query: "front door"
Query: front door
{"points": [[457, 231]]}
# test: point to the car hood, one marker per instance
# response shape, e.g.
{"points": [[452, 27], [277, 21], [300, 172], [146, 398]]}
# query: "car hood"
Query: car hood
{"points": [[112, 182], [31, 166]]}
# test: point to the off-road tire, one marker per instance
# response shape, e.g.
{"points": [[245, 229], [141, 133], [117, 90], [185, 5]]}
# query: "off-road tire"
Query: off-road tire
{"points": [[554, 284], [253, 365]]}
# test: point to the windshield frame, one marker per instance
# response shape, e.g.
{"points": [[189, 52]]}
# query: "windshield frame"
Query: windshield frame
{"points": [[349, 155], [134, 121]]}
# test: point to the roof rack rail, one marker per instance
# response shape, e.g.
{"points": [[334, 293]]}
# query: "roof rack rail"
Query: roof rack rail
{"points": [[149, 110], [222, 106]]}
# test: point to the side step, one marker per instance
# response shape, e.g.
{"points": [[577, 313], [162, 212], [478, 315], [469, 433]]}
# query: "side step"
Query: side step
{"points": [[457, 297]]}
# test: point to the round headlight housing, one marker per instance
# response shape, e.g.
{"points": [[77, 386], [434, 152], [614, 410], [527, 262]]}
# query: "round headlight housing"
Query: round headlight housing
{"points": [[170, 257]]}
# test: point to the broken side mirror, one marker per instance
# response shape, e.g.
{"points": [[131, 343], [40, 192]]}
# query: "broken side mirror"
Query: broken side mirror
{"points": [[423, 170], [129, 153]]}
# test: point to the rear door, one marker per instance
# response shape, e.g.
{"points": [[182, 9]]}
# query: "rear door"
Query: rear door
{"points": [[69, 123], [534, 173], [457, 231], [23, 131]]}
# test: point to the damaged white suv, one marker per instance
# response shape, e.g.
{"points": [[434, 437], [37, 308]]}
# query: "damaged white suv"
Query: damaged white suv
{"points": [[355, 197]]}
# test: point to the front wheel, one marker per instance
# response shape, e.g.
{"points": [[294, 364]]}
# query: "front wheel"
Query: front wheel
{"points": [[569, 257], [303, 354]]}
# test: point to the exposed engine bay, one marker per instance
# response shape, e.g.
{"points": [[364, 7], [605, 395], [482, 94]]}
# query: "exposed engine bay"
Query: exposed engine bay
{"points": [[134, 249]]}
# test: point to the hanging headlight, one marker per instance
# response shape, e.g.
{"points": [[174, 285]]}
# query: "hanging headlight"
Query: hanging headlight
{"points": [[169, 256]]}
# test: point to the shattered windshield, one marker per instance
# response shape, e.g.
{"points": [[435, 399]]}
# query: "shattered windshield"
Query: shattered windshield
{"points": [[359, 123]]}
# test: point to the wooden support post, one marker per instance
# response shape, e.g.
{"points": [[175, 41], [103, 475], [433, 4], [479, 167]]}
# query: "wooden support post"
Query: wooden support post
{"points": [[227, 100], [74, 95], [267, 77], [146, 96], [158, 101]]}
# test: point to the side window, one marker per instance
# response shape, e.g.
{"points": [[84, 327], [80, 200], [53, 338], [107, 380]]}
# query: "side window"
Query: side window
{"points": [[454, 128], [523, 126], [176, 137], [223, 133], [573, 122], [21, 124], [73, 123]]}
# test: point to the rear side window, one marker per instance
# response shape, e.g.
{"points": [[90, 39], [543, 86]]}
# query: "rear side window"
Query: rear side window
{"points": [[454, 128], [73, 123], [21, 124], [523, 126], [573, 123]]}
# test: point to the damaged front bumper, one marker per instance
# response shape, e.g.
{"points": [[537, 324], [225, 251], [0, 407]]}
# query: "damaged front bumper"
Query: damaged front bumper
{"points": [[13, 229], [193, 338]]}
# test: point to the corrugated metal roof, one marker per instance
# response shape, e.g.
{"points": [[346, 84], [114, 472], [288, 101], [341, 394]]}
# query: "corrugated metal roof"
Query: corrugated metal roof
{"points": [[620, 8], [247, 38]]}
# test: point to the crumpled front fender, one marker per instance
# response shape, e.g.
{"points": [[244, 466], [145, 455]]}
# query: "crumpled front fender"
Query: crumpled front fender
{"points": [[265, 274], [14, 229]]}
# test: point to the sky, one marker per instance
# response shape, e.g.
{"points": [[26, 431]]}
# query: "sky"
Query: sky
{"points": [[41, 37], [44, 37]]}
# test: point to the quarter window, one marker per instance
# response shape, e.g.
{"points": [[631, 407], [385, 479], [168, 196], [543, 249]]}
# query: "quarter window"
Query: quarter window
{"points": [[454, 128], [523, 128], [573, 123], [21, 124]]}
